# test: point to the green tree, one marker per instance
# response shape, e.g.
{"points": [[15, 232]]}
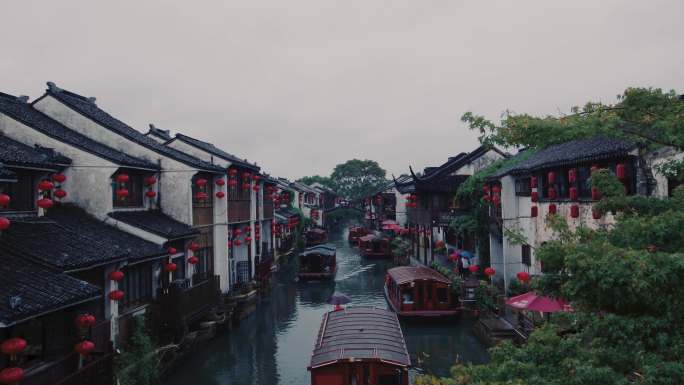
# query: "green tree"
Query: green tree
{"points": [[324, 180], [355, 179], [138, 365]]}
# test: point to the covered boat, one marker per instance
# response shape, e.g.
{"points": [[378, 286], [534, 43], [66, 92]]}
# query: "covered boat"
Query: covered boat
{"points": [[316, 237], [360, 345], [375, 245], [356, 232], [417, 291], [318, 262]]}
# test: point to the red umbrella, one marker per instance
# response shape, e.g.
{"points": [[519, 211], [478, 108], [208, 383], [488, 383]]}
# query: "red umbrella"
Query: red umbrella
{"points": [[534, 302], [392, 227]]}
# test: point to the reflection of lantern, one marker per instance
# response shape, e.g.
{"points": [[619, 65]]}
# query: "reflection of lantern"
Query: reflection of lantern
{"points": [[534, 211], [523, 276], [552, 209], [574, 211]]}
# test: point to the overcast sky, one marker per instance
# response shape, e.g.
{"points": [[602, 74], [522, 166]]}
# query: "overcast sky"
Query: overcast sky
{"points": [[301, 85]]}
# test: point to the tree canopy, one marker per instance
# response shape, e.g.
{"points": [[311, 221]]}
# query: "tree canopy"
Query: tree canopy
{"points": [[355, 179], [308, 180]]}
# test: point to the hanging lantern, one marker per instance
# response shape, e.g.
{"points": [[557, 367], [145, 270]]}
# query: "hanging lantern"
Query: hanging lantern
{"points": [[523, 276], [552, 193], [4, 223], [238, 242], [621, 171], [122, 178], [45, 185], [551, 177], [116, 295], [256, 187], [572, 175], [246, 175], [534, 211], [489, 272], [473, 268], [246, 186], [193, 260], [194, 246], [171, 250], [485, 189], [59, 178], [220, 182], [232, 172], [552, 209], [596, 214], [256, 178], [230, 243], [201, 182], [84, 347], [232, 183], [122, 193], [573, 193], [85, 321], [13, 346], [574, 211], [45, 203], [201, 196], [220, 195], [533, 182], [150, 180], [170, 267], [151, 194], [487, 198], [534, 196], [248, 239], [237, 231], [60, 193], [11, 376], [595, 193], [496, 199], [496, 189], [116, 275], [4, 200]]}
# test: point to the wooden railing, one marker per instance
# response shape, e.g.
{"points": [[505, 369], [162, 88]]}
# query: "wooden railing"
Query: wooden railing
{"points": [[98, 371], [181, 301], [238, 211]]}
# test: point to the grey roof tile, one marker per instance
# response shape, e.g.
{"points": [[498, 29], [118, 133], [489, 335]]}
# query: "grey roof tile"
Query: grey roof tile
{"points": [[155, 222]]}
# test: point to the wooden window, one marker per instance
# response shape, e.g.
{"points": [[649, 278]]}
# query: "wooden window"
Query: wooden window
{"points": [[22, 193], [526, 255], [134, 187], [137, 285], [522, 187]]}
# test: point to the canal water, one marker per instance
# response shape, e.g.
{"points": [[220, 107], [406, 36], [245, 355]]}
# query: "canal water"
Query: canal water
{"points": [[273, 345]]}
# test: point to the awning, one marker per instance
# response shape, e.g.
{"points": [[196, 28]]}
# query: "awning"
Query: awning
{"points": [[533, 302]]}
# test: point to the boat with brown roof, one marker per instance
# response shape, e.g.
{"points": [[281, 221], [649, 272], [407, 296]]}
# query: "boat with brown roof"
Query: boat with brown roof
{"points": [[316, 237], [418, 291], [375, 246], [360, 345], [318, 263]]}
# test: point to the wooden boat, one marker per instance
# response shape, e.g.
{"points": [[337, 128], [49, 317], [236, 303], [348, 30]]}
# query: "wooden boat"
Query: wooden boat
{"points": [[316, 237], [318, 262], [360, 345], [356, 232], [375, 246], [417, 291]]}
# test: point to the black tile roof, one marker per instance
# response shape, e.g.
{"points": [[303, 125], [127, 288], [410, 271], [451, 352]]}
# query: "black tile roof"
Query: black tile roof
{"points": [[13, 153], [7, 175], [29, 289], [26, 114], [405, 184], [568, 153], [454, 163], [159, 133], [70, 239], [210, 148], [155, 222], [87, 107]]}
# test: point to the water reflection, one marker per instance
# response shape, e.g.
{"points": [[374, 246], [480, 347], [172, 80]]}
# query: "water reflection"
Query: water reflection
{"points": [[273, 345]]}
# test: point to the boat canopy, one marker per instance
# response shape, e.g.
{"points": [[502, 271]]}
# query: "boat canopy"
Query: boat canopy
{"points": [[405, 274], [325, 249], [360, 333]]}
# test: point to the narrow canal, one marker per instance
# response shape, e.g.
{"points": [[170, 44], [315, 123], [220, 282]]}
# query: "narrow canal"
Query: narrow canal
{"points": [[273, 345]]}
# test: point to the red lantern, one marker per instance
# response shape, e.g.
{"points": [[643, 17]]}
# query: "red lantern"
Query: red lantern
{"points": [[534, 196], [489, 272], [596, 214], [552, 209], [150, 180], [496, 199], [572, 175], [4, 223], [256, 178], [232, 183], [256, 187], [485, 189], [574, 211], [232, 172], [621, 171], [85, 321], [533, 182], [238, 242], [45, 185], [13, 346], [551, 177], [248, 239], [59, 193], [552, 193], [171, 250], [573, 193], [220, 195], [122, 178], [246, 175], [201, 182], [59, 178], [194, 246], [45, 203], [116, 295], [246, 186], [193, 260], [230, 243], [595, 193], [523, 276], [11, 376], [4, 200], [170, 267], [473, 268], [116, 275], [220, 182], [534, 211], [122, 193], [150, 194], [84, 347], [237, 231], [201, 196], [496, 189]]}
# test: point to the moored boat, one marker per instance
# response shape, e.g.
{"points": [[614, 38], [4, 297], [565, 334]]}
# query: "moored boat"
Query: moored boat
{"points": [[356, 232], [318, 262], [360, 345], [375, 246], [417, 291], [316, 237]]}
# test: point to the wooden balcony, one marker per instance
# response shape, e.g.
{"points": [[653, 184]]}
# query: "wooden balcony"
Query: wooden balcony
{"points": [[238, 211]]}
